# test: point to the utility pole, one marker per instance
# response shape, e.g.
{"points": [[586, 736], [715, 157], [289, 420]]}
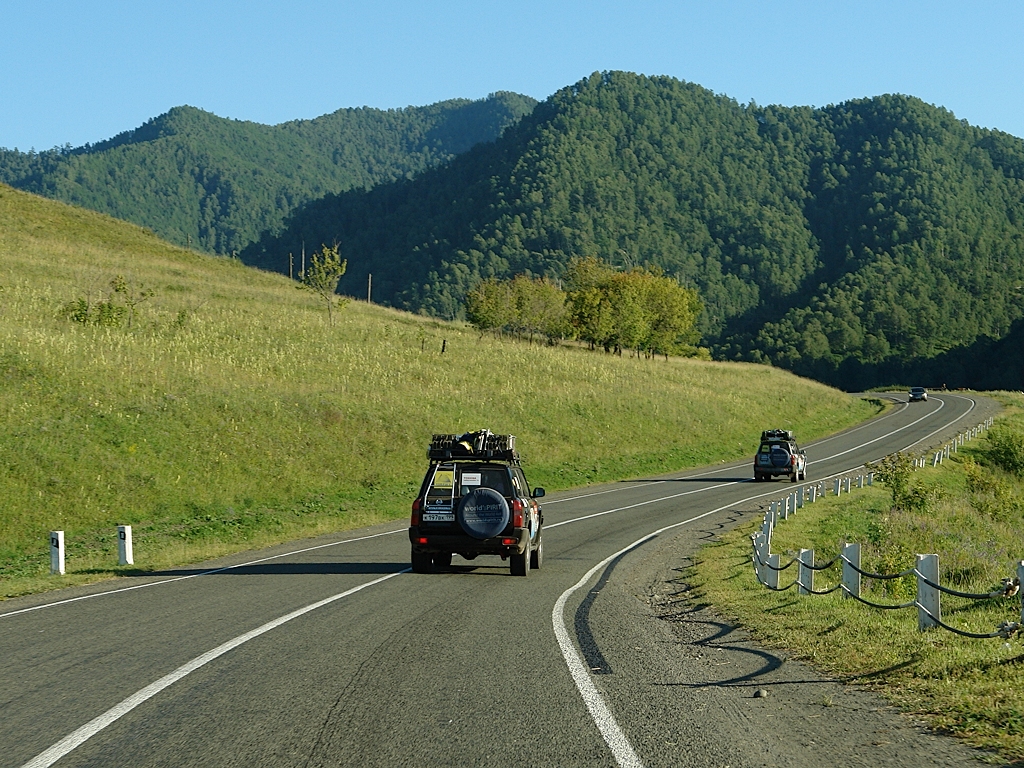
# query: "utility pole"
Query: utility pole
{"points": [[302, 274], [369, 286], [291, 265]]}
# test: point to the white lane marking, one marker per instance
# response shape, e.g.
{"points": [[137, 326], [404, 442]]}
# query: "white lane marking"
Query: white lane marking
{"points": [[599, 711], [738, 463], [194, 575], [890, 434], [602, 716], [767, 493], [94, 726]]}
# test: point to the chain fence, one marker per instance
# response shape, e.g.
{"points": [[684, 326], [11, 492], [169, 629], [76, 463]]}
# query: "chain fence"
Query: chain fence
{"points": [[768, 566]]}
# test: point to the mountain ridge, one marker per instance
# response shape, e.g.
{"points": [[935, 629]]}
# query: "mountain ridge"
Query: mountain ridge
{"points": [[878, 230], [216, 184]]}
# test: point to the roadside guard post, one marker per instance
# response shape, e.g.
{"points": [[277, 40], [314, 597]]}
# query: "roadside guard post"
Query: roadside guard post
{"points": [[125, 556], [57, 552]]}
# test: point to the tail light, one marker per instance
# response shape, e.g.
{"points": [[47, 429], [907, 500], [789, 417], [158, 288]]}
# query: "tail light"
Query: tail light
{"points": [[517, 514], [416, 512], [792, 460]]}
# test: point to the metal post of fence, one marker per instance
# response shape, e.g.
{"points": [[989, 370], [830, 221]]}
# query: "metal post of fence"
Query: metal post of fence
{"points": [[851, 578], [839, 487], [927, 596], [871, 478], [846, 484], [806, 575], [57, 552], [810, 494], [792, 503], [860, 481], [785, 508], [800, 497], [125, 556]]}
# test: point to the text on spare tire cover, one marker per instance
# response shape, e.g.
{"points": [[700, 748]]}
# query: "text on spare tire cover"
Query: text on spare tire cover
{"points": [[483, 513]]}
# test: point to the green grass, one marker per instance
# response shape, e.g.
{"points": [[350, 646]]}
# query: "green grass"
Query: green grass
{"points": [[231, 415], [971, 517]]}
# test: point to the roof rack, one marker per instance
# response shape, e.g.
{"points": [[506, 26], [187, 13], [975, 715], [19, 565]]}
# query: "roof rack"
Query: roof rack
{"points": [[482, 444], [776, 434]]}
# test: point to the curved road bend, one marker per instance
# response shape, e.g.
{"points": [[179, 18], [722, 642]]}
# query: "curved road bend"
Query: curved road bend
{"points": [[332, 653]]}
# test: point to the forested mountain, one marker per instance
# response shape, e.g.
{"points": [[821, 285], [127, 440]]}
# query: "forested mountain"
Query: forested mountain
{"points": [[217, 184], [850, 243]]}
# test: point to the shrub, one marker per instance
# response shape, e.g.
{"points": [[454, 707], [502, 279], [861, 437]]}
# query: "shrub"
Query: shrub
{"points": [[1007, 448]]}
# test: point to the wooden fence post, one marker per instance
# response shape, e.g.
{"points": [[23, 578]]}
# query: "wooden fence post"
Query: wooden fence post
{"points": [[773, 572], [927, 596], [806, 575], [851, 578]]}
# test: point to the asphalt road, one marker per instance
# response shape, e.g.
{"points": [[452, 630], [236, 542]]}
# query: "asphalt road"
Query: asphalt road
{"points": [[331, 653]]}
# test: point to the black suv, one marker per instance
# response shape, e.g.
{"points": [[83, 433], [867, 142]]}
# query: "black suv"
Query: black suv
{"points": [[779, 454], [475, 501]]}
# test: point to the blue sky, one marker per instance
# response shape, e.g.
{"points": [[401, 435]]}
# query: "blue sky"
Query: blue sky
{"points": [[82, 71]]}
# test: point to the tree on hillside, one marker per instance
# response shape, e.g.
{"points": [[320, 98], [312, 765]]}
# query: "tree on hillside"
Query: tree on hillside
{"points": [[489, 305], [640, 309], [321, 277], [538, 307]]}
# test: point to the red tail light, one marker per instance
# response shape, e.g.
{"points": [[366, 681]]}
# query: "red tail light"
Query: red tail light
{"points": [[517, 514], [416, 512], [792, 460]]}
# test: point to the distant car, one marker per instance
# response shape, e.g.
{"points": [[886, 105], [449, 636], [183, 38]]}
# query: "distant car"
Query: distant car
{"points": [[474, 500], [918, 393], [779, 454]]}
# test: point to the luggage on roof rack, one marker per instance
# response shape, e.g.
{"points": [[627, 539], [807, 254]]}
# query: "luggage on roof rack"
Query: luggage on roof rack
{"points": [[482, 444], [776, 434]]}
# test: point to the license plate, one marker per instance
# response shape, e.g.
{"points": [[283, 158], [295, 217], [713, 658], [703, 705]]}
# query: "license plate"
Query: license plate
{"points": [[438, 517]]}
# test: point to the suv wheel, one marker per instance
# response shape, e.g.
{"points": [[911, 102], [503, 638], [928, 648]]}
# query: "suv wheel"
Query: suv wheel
{"points": [[537, 556], [422, 562], [519, 565]]}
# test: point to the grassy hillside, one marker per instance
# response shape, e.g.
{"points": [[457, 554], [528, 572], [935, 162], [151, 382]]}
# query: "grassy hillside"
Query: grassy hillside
{"points": [[218, 184], [850, 243], [231, 414]]}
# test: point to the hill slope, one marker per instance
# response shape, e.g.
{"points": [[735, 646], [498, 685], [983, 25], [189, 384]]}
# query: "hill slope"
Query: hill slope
{"points": [[230, 413], [844, 242], [195, 178]]}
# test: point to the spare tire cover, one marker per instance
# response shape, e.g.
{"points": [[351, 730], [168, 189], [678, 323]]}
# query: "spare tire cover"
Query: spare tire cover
{"points": [[483, 513], [780, 456]]}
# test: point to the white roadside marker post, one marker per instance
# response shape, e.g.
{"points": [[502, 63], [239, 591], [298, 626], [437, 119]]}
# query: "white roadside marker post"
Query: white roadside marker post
{"points": [[125, 556], [57, 552]]}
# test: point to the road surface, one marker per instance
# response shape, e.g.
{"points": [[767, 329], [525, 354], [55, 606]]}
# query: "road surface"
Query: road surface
{"points": [[331, 653]]}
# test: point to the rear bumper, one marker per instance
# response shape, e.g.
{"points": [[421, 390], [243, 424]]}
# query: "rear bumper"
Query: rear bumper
{"points": [[467, 545], [774, 471]]}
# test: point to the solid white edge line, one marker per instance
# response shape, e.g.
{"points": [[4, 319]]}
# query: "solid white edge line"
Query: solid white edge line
{"points": [[738, 463], [75, 739], [194, 575]]}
